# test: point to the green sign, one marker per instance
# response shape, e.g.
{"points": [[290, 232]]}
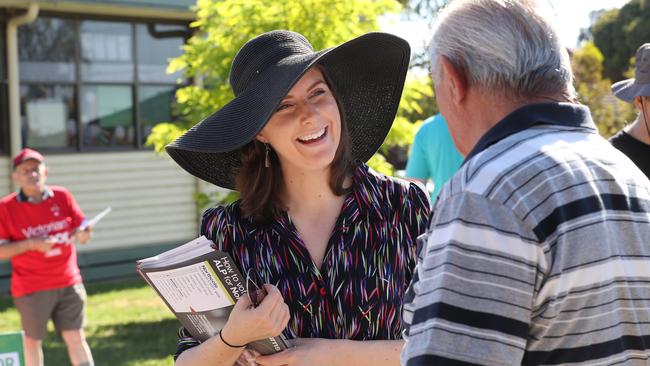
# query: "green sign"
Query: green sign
{"points": [[11, 349]]}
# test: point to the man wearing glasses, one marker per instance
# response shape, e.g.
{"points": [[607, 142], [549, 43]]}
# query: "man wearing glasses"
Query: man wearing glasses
{"points": [[38, 227]]}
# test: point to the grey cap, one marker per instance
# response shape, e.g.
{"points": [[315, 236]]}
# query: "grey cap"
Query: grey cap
{"points": [[640, 85]]}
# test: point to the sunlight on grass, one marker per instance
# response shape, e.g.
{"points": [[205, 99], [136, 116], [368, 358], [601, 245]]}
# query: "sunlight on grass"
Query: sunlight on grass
{"points": [[128, 324]]}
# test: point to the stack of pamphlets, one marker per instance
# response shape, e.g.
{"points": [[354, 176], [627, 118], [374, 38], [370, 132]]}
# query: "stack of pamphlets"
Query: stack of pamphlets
{"points": [[198, 283]]}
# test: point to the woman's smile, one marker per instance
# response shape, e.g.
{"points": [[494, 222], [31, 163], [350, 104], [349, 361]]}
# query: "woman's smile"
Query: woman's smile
{"points": [[313, 137]]}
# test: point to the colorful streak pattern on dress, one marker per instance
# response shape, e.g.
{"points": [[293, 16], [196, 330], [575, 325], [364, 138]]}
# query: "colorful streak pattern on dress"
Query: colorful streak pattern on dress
{"points": [[357, 293]]}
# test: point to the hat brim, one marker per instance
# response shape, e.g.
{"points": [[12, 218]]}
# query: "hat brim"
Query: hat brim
{"points": [[368, 74], [628, 89]]}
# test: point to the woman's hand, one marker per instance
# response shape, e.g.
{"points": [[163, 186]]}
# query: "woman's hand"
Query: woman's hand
{"points": [[306, 352], [247, 324]]}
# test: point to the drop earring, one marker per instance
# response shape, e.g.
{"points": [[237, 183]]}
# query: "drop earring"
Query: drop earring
{"points": [[267, 160]]}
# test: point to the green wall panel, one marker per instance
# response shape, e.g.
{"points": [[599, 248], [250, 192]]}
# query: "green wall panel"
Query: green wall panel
{"points": [[99, 265]]}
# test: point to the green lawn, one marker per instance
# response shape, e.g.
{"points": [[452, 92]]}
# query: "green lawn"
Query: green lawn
{"points": [[128, 324]]}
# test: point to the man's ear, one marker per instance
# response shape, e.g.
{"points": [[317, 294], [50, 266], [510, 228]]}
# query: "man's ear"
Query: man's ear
{"points": [[638, 102], [456, 81]]}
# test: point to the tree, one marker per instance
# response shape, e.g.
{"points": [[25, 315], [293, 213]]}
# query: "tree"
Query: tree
{"points": [[421, 10], [609, 113], [417, 103], [618, 34]]}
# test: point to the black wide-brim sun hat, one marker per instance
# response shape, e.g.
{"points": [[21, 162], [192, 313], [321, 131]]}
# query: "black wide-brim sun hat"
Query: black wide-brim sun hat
{"points": [[368, 74]]}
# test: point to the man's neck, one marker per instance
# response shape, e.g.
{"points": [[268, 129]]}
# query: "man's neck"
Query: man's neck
{"points": [[488, 109], [639, 130], [34, 195]]}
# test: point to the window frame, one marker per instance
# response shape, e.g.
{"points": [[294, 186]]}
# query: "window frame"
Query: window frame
{"points": [[135, 83]]}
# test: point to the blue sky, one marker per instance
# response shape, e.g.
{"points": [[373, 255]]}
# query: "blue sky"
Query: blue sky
{"points": [[571, 15]]}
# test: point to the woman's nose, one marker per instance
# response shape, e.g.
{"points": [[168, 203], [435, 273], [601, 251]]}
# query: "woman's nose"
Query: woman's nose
{"points": [[308, 113]]}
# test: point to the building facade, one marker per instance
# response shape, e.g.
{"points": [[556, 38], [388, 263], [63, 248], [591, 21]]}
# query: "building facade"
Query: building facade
{"points": [[84, 81]]}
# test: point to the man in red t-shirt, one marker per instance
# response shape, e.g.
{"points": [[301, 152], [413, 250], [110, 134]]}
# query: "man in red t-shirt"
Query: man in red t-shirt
{"points": [[38, 227]]}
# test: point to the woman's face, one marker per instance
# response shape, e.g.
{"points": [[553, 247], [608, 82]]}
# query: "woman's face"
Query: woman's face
{"points": [[305, 130]]}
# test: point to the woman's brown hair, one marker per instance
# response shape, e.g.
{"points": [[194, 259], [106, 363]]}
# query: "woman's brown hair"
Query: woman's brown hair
{"points": [[260, 187]]}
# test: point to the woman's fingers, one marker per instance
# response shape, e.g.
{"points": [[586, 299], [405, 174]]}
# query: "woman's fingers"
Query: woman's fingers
{"points": [[269, 319], [281, 317], [272, 314]]}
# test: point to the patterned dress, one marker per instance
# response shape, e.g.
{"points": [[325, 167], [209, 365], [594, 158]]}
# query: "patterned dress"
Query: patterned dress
{"points": [[369, 261]]}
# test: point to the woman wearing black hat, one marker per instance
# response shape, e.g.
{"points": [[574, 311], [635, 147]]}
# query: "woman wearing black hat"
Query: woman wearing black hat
{"points": [[336, 239]]}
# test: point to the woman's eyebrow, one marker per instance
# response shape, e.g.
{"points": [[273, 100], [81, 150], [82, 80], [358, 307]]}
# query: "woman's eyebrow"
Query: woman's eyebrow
{"points": [[309, 88]]}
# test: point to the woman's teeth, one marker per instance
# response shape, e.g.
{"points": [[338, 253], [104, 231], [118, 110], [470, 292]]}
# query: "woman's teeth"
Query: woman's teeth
{"points": [[313, 136]]}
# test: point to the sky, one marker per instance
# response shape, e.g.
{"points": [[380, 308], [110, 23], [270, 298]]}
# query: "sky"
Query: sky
{"points": [[572, 15]]}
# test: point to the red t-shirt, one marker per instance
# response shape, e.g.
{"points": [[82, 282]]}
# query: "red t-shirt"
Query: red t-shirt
{"points": [[56, 217]]}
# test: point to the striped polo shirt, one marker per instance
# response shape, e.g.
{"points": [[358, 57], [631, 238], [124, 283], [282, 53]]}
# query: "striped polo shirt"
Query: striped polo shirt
{"points": [[538, 251]]}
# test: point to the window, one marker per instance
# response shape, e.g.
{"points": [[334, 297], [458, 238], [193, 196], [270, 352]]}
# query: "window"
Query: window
{"points": [[155, 105], [47, 50], [156, 45], [106, 51], [107, 115], [96, 84], [48, 115]]}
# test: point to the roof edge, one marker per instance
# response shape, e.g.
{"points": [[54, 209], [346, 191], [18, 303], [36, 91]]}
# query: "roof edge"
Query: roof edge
{"points": [[105, 9]]}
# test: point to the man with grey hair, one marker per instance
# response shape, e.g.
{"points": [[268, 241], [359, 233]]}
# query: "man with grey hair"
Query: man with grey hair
{"points": [[537, 250]]}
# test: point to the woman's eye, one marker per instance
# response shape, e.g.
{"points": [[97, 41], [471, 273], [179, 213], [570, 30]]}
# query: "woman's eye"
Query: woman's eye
{"points": [[318, 92], [282, 107]]}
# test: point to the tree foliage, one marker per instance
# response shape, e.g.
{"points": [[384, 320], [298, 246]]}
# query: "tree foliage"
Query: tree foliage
{"points": [[426, 9], [618, 34], [417, 103], [609, 113]]}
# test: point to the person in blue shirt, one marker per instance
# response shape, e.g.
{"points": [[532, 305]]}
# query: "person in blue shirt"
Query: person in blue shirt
{"points": [[433, 155]]}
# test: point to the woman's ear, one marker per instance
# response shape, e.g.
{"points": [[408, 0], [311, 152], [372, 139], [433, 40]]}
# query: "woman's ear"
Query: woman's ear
{"points": [[260, 137]]}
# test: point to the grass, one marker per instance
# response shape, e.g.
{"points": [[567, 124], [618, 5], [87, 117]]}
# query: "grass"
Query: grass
{"points": [[128, 324]]}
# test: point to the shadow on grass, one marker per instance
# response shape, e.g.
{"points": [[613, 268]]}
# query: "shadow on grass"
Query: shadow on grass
{"points": [[5, 303], [121, 344]]}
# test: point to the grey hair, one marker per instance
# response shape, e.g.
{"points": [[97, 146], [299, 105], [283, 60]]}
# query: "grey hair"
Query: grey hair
{"points": [[506, 46]]}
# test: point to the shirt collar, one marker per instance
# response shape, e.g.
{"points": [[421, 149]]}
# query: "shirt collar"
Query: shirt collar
{"points": [[47, 193], [559, 114]]}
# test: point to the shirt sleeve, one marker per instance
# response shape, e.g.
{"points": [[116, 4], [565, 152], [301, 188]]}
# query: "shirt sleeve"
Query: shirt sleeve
{"points": [[416, 166], [185, 342], [417, 209], [471, 297], [215, 226]]}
